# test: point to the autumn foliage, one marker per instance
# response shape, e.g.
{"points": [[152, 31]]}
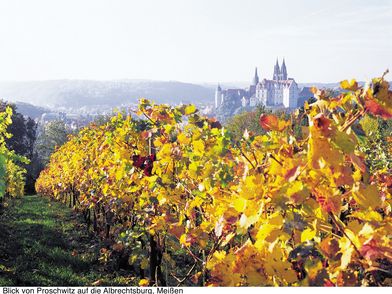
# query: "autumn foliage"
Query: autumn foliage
{"points": [[190, 207], [12, 172]]}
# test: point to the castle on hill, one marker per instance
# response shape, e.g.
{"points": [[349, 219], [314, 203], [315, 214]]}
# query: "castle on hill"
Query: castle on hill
{"points": [[279, 92]]}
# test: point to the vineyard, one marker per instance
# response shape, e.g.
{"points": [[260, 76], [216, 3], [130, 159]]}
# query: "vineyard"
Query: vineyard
{"points": [[184, 204], [12, 173]]}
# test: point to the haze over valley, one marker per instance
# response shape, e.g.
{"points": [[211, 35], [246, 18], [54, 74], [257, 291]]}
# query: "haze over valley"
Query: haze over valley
{"points": [[96, 97]]}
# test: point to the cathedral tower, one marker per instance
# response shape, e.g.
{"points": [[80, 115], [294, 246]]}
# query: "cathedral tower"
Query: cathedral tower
{"points": [[283, 71], [255, 78], [276, 76]]}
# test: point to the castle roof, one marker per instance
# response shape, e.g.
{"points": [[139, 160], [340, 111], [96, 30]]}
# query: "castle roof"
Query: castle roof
{"points": [[270, 83]]}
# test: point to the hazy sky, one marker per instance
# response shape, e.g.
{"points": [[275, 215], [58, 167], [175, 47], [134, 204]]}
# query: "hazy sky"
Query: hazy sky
{"points": [[194, 40]]}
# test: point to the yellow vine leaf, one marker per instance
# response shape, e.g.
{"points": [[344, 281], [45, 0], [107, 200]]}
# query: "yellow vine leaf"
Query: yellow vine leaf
{"points": [[308, 235], [367, 196]]}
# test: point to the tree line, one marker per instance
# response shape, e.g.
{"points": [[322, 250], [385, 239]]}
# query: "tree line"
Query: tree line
{"points": [[34, 141]]}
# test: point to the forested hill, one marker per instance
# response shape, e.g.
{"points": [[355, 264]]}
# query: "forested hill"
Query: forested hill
{"points": [[78, 93], [30, 110]]}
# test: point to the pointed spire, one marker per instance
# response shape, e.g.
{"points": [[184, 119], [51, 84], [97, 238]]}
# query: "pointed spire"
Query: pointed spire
{"points": [[219, 88], [255, 78], [283, 71], [276, 71]]}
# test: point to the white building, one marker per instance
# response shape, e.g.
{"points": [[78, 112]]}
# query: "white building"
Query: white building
{"points": [[281, 91]]}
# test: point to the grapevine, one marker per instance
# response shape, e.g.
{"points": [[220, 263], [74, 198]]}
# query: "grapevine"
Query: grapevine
{"points": [[12, 174], [191, 207]]}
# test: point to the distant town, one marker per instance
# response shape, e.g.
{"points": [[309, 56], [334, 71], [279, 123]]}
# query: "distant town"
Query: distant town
{"points": [[79, 102]]}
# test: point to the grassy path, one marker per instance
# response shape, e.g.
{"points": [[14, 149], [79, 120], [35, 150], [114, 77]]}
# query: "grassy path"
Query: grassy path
{"points": [[44, 243]]}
